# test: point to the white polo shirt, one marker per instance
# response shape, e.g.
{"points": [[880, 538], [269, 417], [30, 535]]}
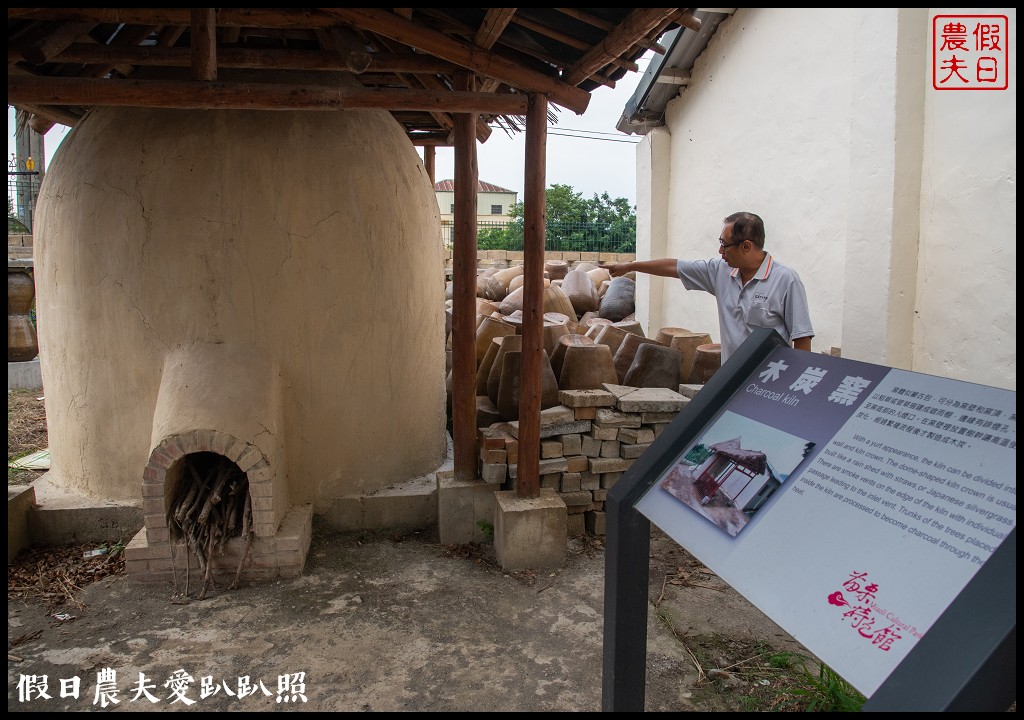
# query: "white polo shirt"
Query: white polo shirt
{"points": [[774, 298]]}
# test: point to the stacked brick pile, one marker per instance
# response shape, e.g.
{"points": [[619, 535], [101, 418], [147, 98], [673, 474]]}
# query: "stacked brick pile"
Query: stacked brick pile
{"points": [[586, 444]]}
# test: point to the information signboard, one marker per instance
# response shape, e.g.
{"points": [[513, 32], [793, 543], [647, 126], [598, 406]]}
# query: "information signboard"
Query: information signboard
{"points": [[850, 502]]}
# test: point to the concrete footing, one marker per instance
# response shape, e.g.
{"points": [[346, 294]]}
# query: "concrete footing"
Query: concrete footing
{"points": [[409, 505], [20, 499], [24, 376], [530, 533], [60, 517], [465, 510]]}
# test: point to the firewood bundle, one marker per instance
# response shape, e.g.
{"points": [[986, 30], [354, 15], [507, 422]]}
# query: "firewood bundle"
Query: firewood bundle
{"points": [[211, 505]]}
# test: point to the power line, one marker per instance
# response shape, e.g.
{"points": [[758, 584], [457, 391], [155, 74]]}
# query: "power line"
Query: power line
{"points": [[592, 132], [599, 139]]}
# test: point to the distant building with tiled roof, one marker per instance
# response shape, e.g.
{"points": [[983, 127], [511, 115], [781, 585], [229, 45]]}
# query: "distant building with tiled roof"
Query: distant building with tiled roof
{"points": [[492, 201]]}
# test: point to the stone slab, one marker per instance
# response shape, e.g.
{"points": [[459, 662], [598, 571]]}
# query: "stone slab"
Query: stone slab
{"points": [[652, 400]]}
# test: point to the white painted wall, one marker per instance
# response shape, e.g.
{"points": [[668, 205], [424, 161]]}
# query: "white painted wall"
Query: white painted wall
{"points": [[895, 203], [484, 201]]}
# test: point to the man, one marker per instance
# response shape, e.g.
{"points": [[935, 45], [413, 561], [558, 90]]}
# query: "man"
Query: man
{"points": [[752, 289]]}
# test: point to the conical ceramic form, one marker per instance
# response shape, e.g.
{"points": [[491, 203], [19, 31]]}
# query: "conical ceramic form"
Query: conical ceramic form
{"points": [[485, 307], [510, 388], [513, 343], [619, 300], [687, 344], [626, 352], [22, 342], [555, 300], [512, 302], [581, 291], [654, 366], [590, 323], [504, 277], [666, 334], [611, 336], [599, 276], [556, 269], [553, 331], [706, 361], [490, 328], [630, 325], [564, 342], [483, 370], [486, 412], [587, 367]]}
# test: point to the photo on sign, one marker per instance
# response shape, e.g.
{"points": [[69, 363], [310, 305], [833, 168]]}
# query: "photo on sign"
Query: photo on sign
{"points": [[733, 470]]}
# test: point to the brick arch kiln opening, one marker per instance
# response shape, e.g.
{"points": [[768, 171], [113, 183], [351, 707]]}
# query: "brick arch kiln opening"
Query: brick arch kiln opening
{"points": [[260, 285]]}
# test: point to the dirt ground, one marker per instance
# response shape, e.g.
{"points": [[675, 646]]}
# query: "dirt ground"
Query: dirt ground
{"points": [[391, 622]]}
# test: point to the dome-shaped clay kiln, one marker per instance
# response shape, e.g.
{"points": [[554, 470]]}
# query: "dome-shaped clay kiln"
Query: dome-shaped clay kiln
{"points": [[261, 284]]}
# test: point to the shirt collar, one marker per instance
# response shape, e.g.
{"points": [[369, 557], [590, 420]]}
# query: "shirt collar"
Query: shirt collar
{"points": [[762, 272]]}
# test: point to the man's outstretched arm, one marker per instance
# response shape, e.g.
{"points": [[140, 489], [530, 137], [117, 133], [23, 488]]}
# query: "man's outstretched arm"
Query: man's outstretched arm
{"points": [[665, 267]]}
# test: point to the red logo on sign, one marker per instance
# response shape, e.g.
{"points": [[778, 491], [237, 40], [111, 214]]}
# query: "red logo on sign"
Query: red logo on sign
{"points": [[970, 52]]}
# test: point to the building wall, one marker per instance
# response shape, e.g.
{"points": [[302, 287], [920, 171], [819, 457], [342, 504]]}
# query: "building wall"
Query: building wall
{"points": [[878, 190], [484, 201]]}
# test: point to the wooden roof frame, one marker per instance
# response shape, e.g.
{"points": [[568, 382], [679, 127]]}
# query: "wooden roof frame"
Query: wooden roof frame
{"points": [[447, 75]]}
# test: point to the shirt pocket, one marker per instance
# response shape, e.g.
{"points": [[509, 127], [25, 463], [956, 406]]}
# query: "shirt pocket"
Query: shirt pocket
{"points": [[758, 315]]}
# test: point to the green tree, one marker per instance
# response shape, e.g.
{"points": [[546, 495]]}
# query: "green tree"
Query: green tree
{"points": [[574, 223]]}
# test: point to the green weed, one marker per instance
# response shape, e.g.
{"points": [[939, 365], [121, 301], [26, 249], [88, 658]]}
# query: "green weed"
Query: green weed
{"points": [[821, 691]]}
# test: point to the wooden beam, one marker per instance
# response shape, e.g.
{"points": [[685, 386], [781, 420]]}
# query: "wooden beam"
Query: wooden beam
{"points": [[493, 25], [463, 54], [56, 40], [570, 41], [249, 96], [127, 37], [607, 26], [464, 295], [688, 20], [534, 222], [62, 115], [639, 22], [430, 142], [40, 124], [280, 18], [204, 44], [272, 59]]}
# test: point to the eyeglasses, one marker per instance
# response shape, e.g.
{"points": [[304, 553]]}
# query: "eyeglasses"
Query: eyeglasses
{"points": [[723, 244]]}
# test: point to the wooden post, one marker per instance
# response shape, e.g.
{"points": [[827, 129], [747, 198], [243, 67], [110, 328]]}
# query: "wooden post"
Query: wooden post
{"points": [[535, 214], [464, 294], [429, 163]]}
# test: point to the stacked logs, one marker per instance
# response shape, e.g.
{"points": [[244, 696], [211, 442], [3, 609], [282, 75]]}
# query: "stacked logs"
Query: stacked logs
{"points": [[211, 505]]}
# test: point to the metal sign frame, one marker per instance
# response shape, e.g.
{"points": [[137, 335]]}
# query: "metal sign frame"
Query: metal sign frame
{"points": [[966, 661]]}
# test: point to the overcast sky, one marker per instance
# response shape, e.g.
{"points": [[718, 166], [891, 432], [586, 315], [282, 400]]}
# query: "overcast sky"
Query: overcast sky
{"points": [[603, 161], [584, 151]]}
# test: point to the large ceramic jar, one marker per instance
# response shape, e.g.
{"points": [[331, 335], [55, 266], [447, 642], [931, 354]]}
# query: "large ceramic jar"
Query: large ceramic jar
{"points": [[22, 344]]}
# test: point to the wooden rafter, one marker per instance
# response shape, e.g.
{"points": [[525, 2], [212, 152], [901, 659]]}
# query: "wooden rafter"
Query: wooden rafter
{"points": [[464, 55], [494, 23], [639, 23]]}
